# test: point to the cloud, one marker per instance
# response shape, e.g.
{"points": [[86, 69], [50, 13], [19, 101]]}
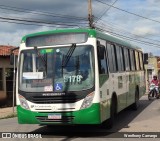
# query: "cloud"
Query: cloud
{"points": [[153, 1], [118, 21], [57, 11], [70, 7], [15, 38], [47, 11], [144, 31]]}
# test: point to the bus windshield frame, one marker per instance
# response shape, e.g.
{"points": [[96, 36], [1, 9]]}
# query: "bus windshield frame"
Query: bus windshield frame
{"points": [[36, 74]]}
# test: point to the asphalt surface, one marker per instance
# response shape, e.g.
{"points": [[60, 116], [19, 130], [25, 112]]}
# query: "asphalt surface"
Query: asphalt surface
{"points": [[144, 120]]}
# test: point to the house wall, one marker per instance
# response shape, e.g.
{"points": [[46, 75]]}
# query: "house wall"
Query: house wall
{"points": [[4, 64]]}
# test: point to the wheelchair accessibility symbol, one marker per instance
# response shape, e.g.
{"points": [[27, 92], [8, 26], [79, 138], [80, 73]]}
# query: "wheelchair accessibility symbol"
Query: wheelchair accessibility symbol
{"points": [[58, 86]]}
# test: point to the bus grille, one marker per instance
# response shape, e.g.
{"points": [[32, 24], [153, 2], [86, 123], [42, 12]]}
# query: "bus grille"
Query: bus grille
{"points": [[51, 99], [65, 119]]}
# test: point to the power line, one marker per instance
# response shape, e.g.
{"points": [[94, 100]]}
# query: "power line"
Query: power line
{"points": [[129, 38], [76, 22], [40, 12], [53, 24], [123, 30], [72, 22], [23, 23], [140, 41], [106, 11], [34, 21], [129, 12], [11, 20]]}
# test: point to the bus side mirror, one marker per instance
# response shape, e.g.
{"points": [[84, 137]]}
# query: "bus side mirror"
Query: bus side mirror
{"points": [[12, 59], [145, 58], [101, 50]]}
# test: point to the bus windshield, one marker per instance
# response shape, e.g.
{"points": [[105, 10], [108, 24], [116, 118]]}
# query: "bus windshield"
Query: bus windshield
{"points": [[43, 70]]}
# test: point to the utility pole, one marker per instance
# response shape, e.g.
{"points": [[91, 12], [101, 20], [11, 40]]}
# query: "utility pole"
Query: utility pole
{"points": [[90, 16]]}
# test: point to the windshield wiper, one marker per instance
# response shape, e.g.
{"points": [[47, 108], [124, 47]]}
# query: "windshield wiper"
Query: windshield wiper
{"points": [[41, 57], [77, 65], [68, 55], [66, 59]]}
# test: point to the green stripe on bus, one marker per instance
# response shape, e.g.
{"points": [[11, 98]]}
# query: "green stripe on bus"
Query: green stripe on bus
{"points": [[91, 32], [89, 115]]}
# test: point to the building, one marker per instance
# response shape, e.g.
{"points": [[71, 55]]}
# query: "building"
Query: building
{"points": [[6, 74], [152, 68]]}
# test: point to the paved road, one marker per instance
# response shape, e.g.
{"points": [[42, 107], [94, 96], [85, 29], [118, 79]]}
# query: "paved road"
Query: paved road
{"points": [[145, 119]]}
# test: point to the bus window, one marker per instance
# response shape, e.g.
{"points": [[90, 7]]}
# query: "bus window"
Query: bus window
{"points": [[132, 59], [102, 66], [103, 62], [128, 52], [123, 59], [111, 58], [114, 58], [119, 58], [109, 51], [137, 60], [27, 66], [126, 58], [140, 61]]}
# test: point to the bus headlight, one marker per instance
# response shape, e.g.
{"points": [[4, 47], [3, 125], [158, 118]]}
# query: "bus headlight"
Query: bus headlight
{"points": [[23, 102], [87, 101]]}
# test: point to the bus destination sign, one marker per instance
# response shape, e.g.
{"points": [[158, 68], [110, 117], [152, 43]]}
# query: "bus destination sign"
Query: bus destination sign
{"points": [[56, 39]]}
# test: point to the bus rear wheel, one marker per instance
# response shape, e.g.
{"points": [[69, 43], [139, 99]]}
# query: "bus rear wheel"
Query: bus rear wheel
{"points": [[135, 105]]}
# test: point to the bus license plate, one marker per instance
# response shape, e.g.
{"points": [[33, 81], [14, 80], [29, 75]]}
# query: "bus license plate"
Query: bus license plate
{"points": [[55, 116]]}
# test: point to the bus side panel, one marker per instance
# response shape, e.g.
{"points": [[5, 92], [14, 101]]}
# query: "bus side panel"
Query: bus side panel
{"points": [[135, 79], [131, 94], [105, 96], [105, 109], [142, 90], [142, 87]]}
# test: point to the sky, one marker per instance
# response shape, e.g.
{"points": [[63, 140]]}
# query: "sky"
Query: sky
{"points": [[137, 21]]}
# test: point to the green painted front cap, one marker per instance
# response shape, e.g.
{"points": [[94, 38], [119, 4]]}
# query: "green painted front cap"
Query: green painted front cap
{"points": [[91, 32]]}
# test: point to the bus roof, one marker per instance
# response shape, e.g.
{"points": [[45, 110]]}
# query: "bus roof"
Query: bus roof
{"points": [[91, 33], [116, 40]]}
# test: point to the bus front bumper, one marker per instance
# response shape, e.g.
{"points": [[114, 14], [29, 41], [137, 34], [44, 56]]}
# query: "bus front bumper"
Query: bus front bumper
{"points": [[89, 115]]}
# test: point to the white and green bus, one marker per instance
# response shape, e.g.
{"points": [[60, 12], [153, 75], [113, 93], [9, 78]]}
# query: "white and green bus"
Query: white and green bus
{"points": [[77, 76]]}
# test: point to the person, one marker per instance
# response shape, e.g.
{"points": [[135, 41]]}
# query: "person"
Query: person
{"points": [[84, 67], [156, 82]]}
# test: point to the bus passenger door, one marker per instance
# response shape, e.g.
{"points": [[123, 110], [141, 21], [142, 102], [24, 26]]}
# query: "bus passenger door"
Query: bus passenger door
{"points": [[103, 80]]}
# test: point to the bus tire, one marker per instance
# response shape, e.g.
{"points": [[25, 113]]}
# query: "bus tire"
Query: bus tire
{"points": [[135, 105], [108, 124]]}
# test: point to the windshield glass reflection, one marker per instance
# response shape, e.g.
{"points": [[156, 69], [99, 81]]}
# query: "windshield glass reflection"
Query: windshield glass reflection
{"points": [[44, 71]]}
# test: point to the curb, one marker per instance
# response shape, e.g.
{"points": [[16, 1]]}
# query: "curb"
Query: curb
{"points": [[7, 112], [11, 115]]}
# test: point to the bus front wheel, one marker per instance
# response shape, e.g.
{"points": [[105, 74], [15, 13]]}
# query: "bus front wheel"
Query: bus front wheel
{"points": [[113, 110]]}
